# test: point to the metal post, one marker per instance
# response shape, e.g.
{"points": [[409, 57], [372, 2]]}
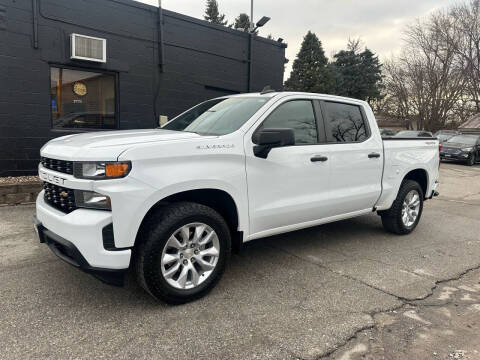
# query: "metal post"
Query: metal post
{"points": [[250, 46], [250, 67], [252, 25]]}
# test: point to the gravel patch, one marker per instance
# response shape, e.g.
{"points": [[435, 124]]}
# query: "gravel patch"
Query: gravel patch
{"points": [[19, 179]]}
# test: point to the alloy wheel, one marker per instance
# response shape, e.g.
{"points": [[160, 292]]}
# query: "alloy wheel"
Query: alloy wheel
{"points": [[410, 208], [190, 256]]}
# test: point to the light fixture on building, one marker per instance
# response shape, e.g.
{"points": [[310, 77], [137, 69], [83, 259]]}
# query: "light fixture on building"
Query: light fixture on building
{"points": [[260, 23]]}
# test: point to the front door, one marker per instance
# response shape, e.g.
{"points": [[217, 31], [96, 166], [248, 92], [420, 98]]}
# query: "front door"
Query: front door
{"points": [[290, 186]]}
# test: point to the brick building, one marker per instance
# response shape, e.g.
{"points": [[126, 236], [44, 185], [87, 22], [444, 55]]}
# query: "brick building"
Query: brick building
{"points": [[130, 64]]}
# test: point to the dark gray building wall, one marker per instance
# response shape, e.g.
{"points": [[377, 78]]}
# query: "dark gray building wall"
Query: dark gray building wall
{"points": [[201, 61]]}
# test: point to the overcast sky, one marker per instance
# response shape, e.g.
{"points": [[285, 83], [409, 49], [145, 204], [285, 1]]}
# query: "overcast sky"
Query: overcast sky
{"points": [[378, 23]]}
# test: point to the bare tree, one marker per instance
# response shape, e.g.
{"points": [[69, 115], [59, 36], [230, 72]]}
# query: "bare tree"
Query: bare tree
{"points": [[396, 102], [466, 44], [436, 75], [427, 81]]}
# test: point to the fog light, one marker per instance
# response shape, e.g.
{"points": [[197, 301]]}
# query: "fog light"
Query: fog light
{"points": [[92, 200]]}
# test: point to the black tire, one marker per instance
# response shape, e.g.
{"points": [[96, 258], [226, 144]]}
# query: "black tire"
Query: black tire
{"points": [[159, 227], [471, 160], [392, 218]]}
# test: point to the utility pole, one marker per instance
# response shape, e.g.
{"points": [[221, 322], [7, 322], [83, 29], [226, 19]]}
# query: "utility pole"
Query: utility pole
{"points": [[250, 45], [252, 24]]}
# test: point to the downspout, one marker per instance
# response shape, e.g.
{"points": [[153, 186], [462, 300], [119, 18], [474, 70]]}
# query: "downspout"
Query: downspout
{"points": [[161, 52], [35, 23], [161, 64]]}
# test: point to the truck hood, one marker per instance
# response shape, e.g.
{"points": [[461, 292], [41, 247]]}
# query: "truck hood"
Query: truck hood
{"points": [[107, 145]]}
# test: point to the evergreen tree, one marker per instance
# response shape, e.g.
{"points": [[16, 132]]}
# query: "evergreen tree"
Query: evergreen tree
{"points": [[310, 70], [212, 14], [242, 22], [371, 69], [358, 74]]}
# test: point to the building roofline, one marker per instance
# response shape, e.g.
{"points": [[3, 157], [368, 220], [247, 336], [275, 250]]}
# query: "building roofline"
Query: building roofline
{"points": [[197, 21]]}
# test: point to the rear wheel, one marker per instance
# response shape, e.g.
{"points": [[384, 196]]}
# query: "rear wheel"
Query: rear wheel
{"points": [[183, 253], [406, 210], [471, 160]]}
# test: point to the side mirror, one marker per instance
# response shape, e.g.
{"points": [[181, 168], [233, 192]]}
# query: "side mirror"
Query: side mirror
{"points": [[267, 139]]}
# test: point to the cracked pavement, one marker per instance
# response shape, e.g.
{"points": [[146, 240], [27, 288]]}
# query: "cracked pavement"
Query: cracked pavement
{"points": [[444, 325], [344, 290]]}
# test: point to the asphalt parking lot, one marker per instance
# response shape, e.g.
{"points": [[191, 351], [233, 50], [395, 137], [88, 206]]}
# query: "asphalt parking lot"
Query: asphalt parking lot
{"points": [[321, 292]]}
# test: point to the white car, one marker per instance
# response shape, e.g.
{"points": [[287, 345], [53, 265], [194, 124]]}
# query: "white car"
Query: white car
{"points": [[172, 202]]}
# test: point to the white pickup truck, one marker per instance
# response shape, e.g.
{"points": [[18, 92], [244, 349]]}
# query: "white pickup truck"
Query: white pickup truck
{"points": [[172, 202]]}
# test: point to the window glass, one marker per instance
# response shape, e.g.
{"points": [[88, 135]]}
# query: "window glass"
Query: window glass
{"points": [[82, 99], [297, 115], [344, 123], [218, 116], [464, 139], [182, 121]]}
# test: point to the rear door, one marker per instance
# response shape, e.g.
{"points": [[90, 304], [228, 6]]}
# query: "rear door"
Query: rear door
{"points": [[355, 155]]}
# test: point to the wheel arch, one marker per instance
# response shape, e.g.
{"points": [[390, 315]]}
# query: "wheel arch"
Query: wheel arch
{"points": [[419, 175], [218, 199]]}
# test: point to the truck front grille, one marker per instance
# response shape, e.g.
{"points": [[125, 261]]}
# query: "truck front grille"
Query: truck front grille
{"points": [[62, 166], [59, 197]]}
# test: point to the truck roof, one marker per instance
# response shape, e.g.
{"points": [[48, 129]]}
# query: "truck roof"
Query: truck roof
{"points": [[288, 93]]}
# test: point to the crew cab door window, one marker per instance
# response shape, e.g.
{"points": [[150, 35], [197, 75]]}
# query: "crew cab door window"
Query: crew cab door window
{"points": [[297, 115], [344, 123]]}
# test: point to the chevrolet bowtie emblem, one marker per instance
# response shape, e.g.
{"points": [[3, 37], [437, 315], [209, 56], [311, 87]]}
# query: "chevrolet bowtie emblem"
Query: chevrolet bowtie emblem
{"points": [[64, 194]]}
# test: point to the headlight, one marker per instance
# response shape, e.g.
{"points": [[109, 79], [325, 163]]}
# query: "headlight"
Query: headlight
{"points": [[101, 170], [467, 149], [92, 200]]}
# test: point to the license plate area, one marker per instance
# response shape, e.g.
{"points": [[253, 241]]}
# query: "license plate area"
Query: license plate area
{"points": [[52, 179]]}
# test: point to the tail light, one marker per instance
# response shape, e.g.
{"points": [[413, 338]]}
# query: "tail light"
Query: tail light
{"points": [[439, 149]]}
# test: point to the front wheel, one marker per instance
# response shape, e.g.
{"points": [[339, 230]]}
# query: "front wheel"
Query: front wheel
{"points": [[406, 210], [183, 253]]}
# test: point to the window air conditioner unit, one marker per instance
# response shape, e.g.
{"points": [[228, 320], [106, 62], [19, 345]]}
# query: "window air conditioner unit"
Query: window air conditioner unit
{"points": [[88, 48]]}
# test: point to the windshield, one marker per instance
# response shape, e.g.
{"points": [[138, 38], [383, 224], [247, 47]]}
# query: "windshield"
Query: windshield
{"points": [[413, 133], [445, 132], [218, 116], [407, 134], [444, 136], [464, 139]]}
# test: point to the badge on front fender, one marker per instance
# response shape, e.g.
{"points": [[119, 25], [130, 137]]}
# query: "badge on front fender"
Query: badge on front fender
{"points": [[50, 178]]}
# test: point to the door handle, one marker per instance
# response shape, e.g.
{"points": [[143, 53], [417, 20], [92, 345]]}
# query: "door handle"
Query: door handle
{"points": [[373, 155], [318, 158]]}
